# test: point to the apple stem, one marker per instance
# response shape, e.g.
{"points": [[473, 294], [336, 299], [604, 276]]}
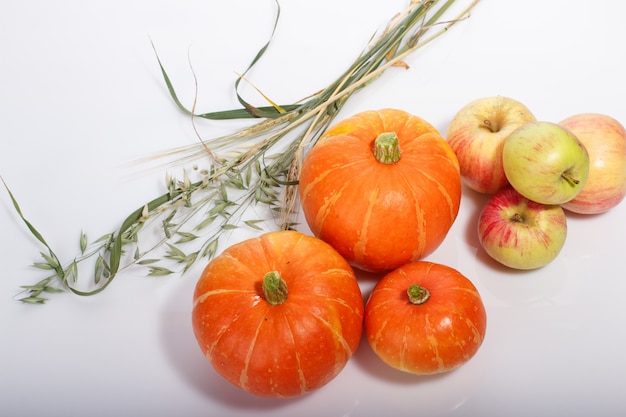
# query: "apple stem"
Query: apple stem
{"points": [[491, 126], [386, 149], [573, 181], [417, 294], [517, 218]]}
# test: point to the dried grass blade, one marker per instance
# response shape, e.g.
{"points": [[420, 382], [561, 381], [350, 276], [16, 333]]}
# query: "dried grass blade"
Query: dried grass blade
{"points": [[277, 107]]}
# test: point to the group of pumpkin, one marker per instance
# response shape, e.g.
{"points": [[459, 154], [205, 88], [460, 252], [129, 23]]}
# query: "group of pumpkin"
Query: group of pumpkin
{"points": [[281, 314]]}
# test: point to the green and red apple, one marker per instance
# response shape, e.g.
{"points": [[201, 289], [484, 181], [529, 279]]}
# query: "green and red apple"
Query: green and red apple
{"points": [[605, 140], [476, 134], [545, 162], [521, 233]]}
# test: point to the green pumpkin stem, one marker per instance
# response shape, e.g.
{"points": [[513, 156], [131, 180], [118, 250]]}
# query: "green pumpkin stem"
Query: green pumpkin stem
{"points": [[274, 288], [386, 149], [417, 294]]}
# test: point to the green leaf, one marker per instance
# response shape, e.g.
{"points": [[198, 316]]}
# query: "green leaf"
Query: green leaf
{"points": [[83, 242], [33, 300], [105, 238], [248, 177], [206, 222], [159, 271], [211, 249], [32, 229], [236, 181], [189, 260], [71, 272], [101, 269], [175, 253], [55, 290], [36, 287], [185, 237], [253, 223], [219, 208], [50, 260], [147, 261]]}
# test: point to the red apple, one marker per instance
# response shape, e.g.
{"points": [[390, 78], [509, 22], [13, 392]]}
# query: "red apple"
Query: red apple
{"points": [[476, 134], [520, 233], [605, 140]]}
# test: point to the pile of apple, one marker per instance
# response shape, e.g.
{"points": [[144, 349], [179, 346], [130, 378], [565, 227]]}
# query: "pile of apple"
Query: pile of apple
{"points": [[535, 171]]}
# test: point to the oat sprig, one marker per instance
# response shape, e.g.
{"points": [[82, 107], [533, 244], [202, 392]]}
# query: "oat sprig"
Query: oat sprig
{"points": [[256, 166]]}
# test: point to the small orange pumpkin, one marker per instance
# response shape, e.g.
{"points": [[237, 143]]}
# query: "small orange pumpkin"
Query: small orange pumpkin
{"points": [[382, 187], [278, 315], [425, 318]]}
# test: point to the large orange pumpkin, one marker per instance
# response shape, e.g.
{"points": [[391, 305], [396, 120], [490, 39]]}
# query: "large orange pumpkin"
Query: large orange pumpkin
{"points": [[278, 315], [382, 187]]}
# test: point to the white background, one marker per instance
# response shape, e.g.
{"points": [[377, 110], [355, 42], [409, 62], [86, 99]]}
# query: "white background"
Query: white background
{"points": [[82, 98]]}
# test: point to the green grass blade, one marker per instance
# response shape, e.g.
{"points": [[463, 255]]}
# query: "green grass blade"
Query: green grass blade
{"points": [[251, 109], [168, 82], [30, 227]]}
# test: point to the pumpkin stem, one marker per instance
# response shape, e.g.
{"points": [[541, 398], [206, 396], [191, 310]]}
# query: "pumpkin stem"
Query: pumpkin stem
{"points": [[417, 294], [274, 288], [386, 149]]}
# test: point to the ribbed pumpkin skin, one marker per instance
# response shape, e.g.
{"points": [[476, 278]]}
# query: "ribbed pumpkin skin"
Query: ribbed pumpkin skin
{"points": [[381, 216], [278, 350]]}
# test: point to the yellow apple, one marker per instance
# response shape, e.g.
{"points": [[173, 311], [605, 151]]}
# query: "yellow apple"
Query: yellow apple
{"points": [[545, 162], [605, 140], [476, 134]]}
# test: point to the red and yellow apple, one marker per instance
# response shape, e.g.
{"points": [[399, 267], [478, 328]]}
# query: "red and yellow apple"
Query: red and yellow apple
{"points": [[476, 135], [605, 140], [545, 162], [520, 233]]}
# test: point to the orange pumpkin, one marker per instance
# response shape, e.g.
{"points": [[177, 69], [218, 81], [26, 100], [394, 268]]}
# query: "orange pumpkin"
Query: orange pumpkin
{"points": [[382, 187], [278, 315], [425, 318]]}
